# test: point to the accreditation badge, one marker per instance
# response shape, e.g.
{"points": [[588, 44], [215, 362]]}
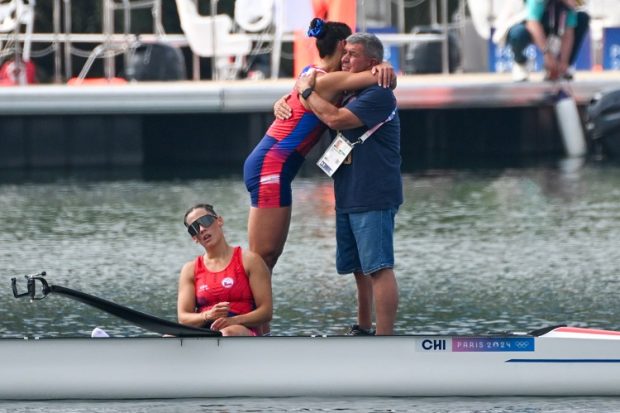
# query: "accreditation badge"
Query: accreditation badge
{"points": [[335, 154]]}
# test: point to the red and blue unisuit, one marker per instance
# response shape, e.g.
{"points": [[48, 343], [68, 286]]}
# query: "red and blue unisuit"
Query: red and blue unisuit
{"points": [[271, 167]]}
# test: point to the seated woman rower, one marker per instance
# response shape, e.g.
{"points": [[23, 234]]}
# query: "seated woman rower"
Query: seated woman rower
{"points": [[225, 289]]}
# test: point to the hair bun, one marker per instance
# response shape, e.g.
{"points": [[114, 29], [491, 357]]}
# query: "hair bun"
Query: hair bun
{"points": [[317, 28]]}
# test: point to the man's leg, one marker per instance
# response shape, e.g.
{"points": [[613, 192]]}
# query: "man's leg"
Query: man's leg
{"points": [[374, 233], [364, 300], [385, 290], [347, 262]]}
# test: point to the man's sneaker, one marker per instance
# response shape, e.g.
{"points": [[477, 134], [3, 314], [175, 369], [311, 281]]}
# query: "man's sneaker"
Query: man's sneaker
{"points": [[356, 330], [520, 72], [570, 73]]}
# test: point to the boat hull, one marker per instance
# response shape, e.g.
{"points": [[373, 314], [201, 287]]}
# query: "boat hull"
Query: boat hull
{"points": [[153, 367]]}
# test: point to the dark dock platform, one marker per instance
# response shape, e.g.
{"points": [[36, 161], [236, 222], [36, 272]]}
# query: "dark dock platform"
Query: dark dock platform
{"points": [[181, 123]]}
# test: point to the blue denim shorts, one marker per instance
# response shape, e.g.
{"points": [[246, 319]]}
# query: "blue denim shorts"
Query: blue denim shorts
{"points": [[365, 241]]}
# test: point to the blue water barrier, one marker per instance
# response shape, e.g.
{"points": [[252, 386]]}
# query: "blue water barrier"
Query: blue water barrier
{"points": [[611, 48]]}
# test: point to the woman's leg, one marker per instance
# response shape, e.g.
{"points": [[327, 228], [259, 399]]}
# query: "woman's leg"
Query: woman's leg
{"points": [[267, 232], [236, 330]]}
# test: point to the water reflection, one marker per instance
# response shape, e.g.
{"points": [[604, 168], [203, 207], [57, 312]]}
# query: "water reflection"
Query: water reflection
{"points": [[348, 404], [477, 250]]}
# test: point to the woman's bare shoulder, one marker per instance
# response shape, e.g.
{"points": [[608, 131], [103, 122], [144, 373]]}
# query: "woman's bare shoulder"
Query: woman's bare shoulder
{"points": [[188, 269], [252, 261]]}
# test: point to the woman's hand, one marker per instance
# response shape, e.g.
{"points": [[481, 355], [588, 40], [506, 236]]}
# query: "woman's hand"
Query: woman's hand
{"points": [[384, 72], [222, 323], [281, 109], [216, 312]]}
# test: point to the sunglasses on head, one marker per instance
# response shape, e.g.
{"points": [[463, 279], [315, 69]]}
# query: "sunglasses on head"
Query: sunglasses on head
{"points": [[206, 221]]}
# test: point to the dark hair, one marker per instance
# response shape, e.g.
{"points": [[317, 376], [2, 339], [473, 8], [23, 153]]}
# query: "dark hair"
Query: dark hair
{"points": [[206, 207], [328, 34]]}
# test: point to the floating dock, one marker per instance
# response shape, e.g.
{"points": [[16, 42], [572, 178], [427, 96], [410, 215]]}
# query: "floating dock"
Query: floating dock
{"points": [[196, 122]]}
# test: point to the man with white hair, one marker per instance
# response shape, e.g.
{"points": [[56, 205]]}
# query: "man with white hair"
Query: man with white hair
{"points": [[367, 186]]}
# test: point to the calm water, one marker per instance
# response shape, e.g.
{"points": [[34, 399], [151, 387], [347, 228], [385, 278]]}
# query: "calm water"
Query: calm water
{"points": [[477, 251], [370, 405]]}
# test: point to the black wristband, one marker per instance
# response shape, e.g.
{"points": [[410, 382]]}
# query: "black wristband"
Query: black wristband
{"points": [[306, 93]]}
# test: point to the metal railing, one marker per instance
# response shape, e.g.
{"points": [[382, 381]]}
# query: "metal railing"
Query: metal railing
{"points": [[112, 44]]}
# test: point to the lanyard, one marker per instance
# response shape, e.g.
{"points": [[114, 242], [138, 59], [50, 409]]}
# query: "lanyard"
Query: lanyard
{"points": [[369, 132], [340, 148]]}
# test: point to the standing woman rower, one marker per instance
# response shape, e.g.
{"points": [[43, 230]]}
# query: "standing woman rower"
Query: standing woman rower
{"points": [[225, 289], [274, 162]]}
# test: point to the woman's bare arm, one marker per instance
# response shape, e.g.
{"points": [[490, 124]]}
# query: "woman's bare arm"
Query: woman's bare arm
{"points": [[186, 300]]}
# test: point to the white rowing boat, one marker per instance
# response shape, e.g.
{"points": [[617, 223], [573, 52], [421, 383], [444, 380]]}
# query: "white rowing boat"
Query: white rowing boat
{"points": [[565, 361], [554, 362]]}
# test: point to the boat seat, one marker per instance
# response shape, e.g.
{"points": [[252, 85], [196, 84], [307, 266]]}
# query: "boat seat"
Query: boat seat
{"points": [[14, 13], [9, 14], [211, 36]]}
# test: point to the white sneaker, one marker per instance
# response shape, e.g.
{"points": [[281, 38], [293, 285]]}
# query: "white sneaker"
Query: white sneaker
{"points": [[570, 73], [520, 72], [98, 333]]}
